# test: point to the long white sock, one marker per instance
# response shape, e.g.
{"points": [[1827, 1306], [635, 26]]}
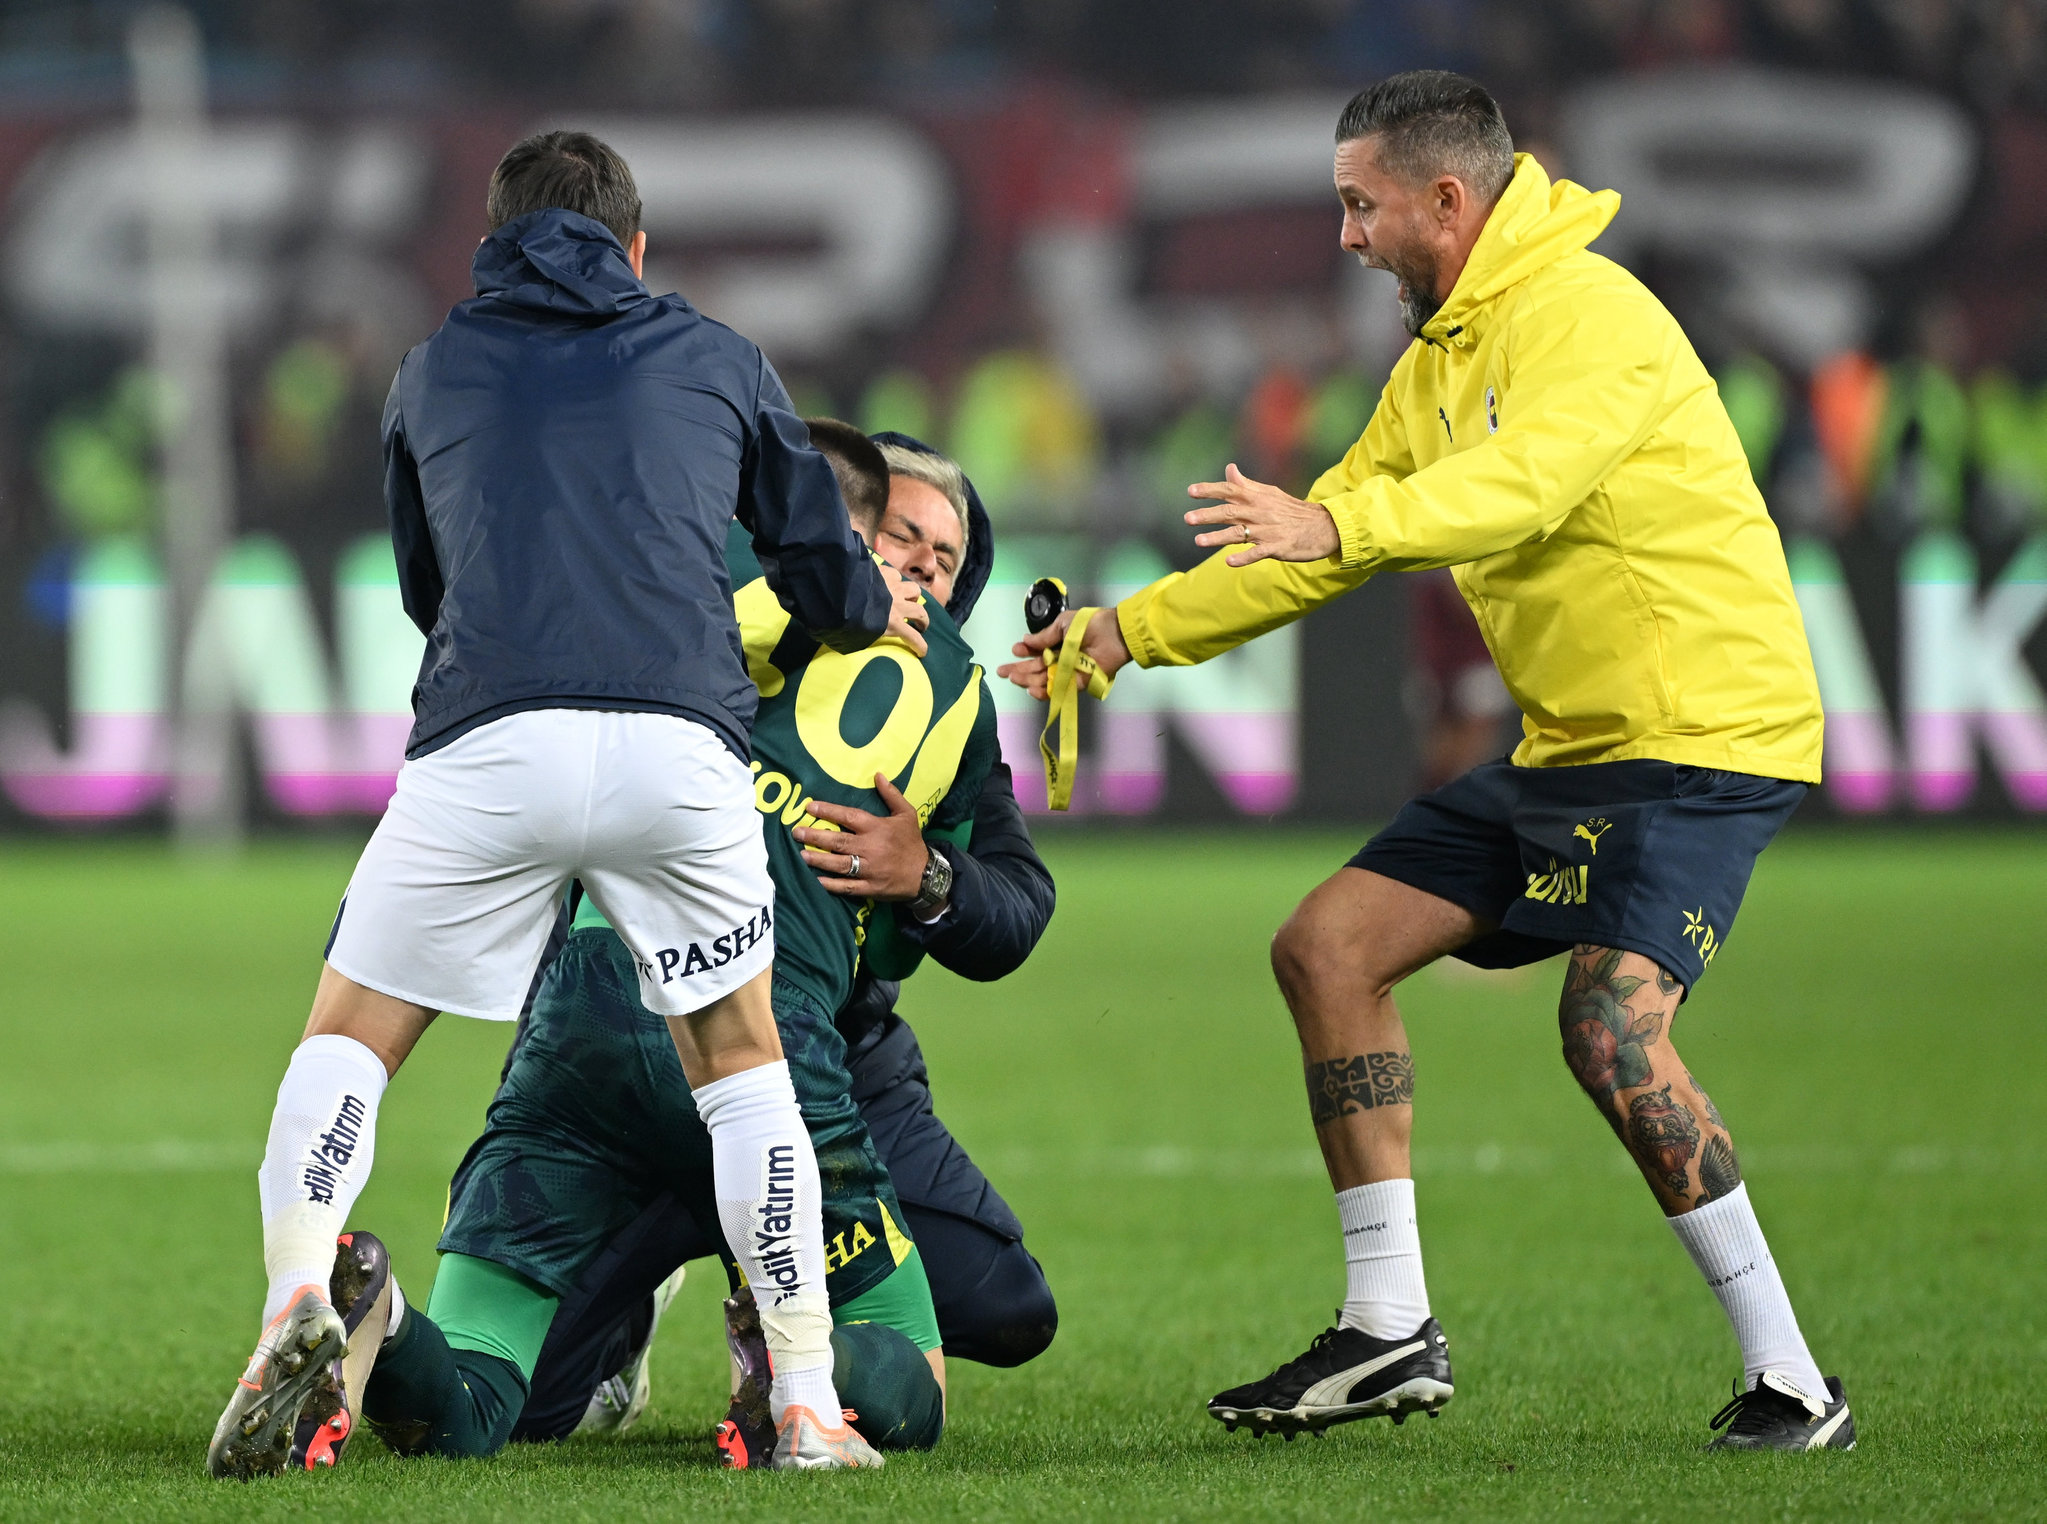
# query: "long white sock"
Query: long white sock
{"points": [[769, 1202], [323, 1137], [1726, 1242], [1385, 1296]]}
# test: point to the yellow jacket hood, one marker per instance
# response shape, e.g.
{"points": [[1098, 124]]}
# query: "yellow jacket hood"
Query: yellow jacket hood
{"points": [[1537, 222]]}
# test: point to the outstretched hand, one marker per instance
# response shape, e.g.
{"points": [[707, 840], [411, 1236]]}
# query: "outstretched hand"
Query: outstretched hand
{"points": [[1268, 523], [1103, 642]]}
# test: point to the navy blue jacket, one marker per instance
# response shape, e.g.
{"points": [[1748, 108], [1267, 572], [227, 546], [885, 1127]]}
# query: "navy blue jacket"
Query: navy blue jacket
{"points": [[561, 461]]}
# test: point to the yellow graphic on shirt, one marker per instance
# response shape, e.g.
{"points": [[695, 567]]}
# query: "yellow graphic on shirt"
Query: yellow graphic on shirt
{"points": [[1592, 830]]}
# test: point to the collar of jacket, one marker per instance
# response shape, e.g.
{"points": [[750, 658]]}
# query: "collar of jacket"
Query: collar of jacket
{"points": [[557, 261], [979, 562], [1536, 223]]}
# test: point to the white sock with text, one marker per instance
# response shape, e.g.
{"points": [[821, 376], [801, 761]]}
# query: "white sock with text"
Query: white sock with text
{"points": [[770, 1202], [1726, 1242], [1386, 1296], [323, 1137]]}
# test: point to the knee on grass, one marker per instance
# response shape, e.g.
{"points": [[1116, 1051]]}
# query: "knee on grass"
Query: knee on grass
{"points": [[1010, 1319], [426, 1398], [884, 1378]]}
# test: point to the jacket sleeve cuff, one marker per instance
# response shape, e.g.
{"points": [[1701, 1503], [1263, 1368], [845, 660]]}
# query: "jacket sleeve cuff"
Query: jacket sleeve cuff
{"points": [[1353, 551], [1133, 618]]}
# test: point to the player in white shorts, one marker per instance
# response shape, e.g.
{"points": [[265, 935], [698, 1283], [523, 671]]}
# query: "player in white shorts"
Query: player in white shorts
{"points": [[562, 462]]}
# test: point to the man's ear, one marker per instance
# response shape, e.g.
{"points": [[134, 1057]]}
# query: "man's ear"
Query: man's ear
{"points": [[636, 253], [1450, 198]]}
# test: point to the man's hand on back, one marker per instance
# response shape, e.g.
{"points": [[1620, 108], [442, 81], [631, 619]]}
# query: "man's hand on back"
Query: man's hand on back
{"points": [[1267, 522], [1103, 641], [889, 849], [908, 618]]}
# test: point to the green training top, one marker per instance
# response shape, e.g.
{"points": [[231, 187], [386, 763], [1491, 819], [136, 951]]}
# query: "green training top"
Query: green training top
{"points": [[827, 724]]}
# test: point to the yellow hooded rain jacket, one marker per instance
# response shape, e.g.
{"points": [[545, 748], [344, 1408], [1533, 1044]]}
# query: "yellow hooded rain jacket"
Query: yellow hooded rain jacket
{"points": [[1553, 437]]}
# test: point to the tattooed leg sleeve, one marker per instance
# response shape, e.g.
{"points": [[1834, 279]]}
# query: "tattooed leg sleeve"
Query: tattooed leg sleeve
{"points": [[1615, 1022]]}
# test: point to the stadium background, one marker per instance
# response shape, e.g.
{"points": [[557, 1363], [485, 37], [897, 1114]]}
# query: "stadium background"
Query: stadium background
{"points": [[1088, 248]]}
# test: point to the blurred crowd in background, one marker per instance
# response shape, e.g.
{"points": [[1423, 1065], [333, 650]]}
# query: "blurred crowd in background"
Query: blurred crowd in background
{"points": [[726, 54], [1071, 306]]}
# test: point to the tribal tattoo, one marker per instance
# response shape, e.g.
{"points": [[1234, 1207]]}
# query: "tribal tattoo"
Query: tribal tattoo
{"points": [[1663, 1135], [1344, 1085]]}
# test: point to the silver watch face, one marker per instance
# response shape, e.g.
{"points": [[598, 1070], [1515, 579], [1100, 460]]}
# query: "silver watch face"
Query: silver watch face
{"points": [[937, 877]]}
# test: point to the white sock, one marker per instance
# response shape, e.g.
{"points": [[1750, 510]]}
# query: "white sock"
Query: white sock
{"points": [[323, 1136], [1726, 1242], [1386, 1296], [769, 1202]]}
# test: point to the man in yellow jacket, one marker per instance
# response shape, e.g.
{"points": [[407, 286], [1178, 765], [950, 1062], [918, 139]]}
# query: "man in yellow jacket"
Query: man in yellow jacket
{"points": [[1551, 436]]}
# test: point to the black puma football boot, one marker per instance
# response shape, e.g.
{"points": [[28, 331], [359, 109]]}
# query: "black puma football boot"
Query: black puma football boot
{"points": [[1775, 1415], [1344, 1374]]}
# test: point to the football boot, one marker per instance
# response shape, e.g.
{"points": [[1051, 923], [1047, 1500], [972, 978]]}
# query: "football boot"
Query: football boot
{"points": [[255, 1433], [1775, 1414], [361, 1291], [1344, 1374], [803, 1443], [746, 1439]]}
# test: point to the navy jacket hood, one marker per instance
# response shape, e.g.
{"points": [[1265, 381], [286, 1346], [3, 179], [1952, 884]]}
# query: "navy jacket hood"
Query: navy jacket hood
{"points": [[974, 572], [557, 261]]}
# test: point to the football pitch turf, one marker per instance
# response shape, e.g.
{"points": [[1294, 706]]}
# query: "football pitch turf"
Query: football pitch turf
{"points": [[1874, 1032]]}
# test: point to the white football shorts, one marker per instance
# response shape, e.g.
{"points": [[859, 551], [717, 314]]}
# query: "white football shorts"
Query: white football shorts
{"points": [[452, 900]]}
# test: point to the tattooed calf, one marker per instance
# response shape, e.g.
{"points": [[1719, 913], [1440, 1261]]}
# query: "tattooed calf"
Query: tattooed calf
{"points": [[1345, 1085], [1664, 1135]]}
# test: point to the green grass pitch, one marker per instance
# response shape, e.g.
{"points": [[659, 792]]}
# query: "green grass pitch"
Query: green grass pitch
{"points": [[1874, 1032]]}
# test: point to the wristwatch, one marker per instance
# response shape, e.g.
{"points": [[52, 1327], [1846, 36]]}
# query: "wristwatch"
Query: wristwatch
{"points": [[936, 888]]}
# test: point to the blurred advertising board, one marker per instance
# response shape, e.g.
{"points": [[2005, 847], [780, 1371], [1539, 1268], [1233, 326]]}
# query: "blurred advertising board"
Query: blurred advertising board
{"points": [[1090, 304]]}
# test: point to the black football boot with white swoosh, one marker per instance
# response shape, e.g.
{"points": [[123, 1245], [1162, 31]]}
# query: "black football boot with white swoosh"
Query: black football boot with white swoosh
{"points": [[1775, 1415], [1344, 1374]]}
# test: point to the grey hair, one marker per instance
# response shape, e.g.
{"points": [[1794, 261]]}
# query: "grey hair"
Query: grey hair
{"points": [[1431, 122], [940, 471]]}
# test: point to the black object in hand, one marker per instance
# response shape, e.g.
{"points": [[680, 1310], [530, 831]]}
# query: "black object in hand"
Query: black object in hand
{"points": [[1045, 602]]}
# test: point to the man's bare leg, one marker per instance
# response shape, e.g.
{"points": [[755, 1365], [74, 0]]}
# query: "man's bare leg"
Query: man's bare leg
{"points": [[730, 1035], [386, 1025], [1615, 1017], [1337, 960]]}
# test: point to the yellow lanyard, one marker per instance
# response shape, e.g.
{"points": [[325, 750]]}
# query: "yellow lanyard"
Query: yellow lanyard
{"points": [[1064, 701]]}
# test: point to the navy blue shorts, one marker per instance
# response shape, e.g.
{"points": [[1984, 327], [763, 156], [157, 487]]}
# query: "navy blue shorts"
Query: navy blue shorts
{"points": [[1650, 857]]}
